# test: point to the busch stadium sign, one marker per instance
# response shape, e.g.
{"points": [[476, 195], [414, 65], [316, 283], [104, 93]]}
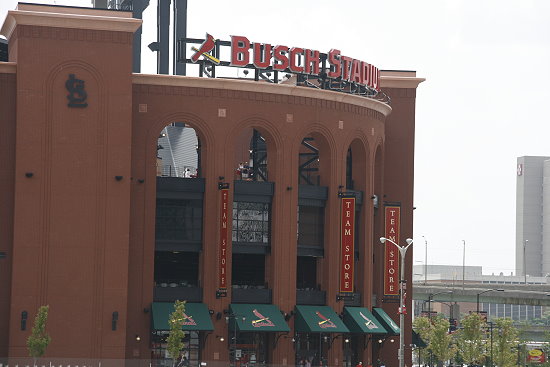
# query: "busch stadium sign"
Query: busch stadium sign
{"points": [[331, 70]]}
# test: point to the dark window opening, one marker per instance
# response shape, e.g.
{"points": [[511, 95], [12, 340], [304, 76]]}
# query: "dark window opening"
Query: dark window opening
{"points": [[312, 348], [250, 223], [349, 171], [176, 269], [308, 163], [190, 350], [252, 348], [306, 273], [248, 270], [311, 226], [258, 157], [179, 220]]}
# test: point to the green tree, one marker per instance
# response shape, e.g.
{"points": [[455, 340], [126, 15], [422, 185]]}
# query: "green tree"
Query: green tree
{"points": [[435, 332], [442, 344], [505, 343], [471, 339], [422, 326], [175, 337], [39, 340]]}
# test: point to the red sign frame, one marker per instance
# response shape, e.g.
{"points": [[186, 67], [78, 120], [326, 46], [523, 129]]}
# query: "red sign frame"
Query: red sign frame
{"points": [[391, 258], [347, 245], [222, 266]]}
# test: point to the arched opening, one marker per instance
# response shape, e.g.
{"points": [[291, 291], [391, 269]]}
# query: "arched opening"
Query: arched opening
{"points": [[377, 250], [251, 159], [178, 230], [356, 186], [308, 162], [313, 170], [251, 235], [178, 151]]}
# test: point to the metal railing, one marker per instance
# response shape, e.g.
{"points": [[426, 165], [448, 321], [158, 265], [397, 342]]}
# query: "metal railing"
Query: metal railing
{"points": [[175, 171]]}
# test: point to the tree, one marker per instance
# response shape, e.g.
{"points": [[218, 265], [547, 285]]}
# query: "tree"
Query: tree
{"points": [[435, 332], [39, 340], [504, 343], [441, 343], [176, 334], [422, 326], [470, 339]]}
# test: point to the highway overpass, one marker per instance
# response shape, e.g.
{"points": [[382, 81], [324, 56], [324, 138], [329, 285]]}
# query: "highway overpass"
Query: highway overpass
{"points": [[516, 294]]}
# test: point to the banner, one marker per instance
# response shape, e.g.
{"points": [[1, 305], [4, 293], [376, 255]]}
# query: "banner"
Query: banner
{"points": [[222, 276], [347, 240], [391, 259]]}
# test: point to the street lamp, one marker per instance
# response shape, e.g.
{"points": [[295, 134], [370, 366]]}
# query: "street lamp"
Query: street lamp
{"points": [[488, 290], [463, 262], [425, 261], [402, 252], [525, 242]]}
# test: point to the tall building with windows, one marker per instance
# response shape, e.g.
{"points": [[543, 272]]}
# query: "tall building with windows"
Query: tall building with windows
{"points": [[533, 216]]}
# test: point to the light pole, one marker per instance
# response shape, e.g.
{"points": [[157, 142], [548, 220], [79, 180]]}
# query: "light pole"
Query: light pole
{"points": [[402, 252], [525, 242], [488, 290], [425, 261], [463, 262]]}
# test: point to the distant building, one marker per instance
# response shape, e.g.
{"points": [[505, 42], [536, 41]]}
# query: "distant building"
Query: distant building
{"points": [[533, 216]]}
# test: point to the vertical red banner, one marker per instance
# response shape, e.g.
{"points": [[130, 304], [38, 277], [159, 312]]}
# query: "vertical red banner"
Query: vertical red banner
{"points": [[222, 276], [347, 239], [391, 260]]}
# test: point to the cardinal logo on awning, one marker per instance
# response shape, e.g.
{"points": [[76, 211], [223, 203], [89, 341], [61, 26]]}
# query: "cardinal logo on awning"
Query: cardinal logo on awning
{"points": [[325, 322], [188, 320], [204, 50], [369, 324], [262, 320]]}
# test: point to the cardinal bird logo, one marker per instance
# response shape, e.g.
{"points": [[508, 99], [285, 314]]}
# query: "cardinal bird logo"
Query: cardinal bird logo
{"points": [[262, 320], [325, 322], [207, 46], [369, 324], [188, 320]]}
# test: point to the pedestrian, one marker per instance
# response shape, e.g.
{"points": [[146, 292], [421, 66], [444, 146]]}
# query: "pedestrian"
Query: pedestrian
{"points": [[360, 364]]}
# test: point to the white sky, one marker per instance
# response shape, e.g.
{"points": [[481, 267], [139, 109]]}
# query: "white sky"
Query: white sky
{"points": [[487, 65]]}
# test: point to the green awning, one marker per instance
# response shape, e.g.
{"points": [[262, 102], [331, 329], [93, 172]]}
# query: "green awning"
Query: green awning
{"points": [[257, 318], [197, 316], [386, 321], [360, 320], [318, 319]]}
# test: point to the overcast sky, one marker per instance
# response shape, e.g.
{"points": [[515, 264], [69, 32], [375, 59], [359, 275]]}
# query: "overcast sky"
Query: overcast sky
{"points": [[486, 100]]}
